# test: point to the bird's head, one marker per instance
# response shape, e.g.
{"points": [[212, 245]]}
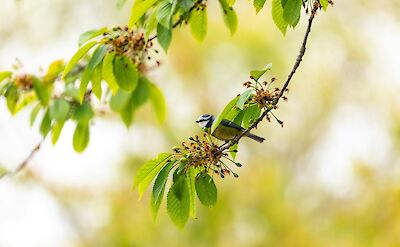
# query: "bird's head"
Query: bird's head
{"points": [[205, 121]]}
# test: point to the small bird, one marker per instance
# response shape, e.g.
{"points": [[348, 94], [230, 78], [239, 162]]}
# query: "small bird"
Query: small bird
{"points": [[226, 130]]}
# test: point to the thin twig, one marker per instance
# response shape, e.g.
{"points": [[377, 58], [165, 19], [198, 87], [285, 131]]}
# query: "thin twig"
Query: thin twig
{"points": [[285, 86], [25, 162]]}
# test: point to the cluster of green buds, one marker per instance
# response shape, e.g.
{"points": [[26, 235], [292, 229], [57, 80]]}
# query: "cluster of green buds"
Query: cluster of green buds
{"points": [[205, 155]]}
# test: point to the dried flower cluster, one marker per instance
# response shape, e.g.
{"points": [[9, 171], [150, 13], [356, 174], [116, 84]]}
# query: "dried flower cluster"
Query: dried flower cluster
{"points": [[126, 42], [24, 81], [204, 155]]}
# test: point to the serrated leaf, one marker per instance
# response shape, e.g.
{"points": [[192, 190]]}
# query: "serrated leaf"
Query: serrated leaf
{"points": [[96, 82], [206, 190], [34, 113], [229, 15], [108, 72], [59, 110], [159, 188], [125, 73], [178, 202], [158, 101], [190, 179], [41, 91], [78, 55], [164, 36], [291, 11], [45, 125], [243, 98], [229, 107], [277, 16], [90, 34], [164, 13], [139, 8], [81, 137], [56, 131], [250, 115], [198, 24], [258, 5], [97, 57], [256, 74], [148, 171]]}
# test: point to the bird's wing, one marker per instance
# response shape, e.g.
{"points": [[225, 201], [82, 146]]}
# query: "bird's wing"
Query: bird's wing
{"points": [[231, 124]]}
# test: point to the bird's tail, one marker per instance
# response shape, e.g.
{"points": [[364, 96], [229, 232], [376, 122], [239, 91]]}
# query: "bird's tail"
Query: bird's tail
{"points": [[256, 138]]}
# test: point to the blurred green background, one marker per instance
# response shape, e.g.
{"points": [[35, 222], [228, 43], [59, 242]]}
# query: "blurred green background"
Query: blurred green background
{"points": [[330, 177]]}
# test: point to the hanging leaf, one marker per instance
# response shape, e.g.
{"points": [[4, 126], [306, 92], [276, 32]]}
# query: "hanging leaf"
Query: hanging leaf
{"points": [[256, 74], [277, 16], [258, 5], [228, 108], [41, 91], [229, 15], [125, 73], [81, 137], [45, 126], [97, 57], [54, 71], [198, 24], [83, 113], [56, 131], [5, 75], [12, 97], [90, 34], [96, 82], [108, 72], [159, 188], [34, 113], [291, 11], [59, 110], [206, 190], [190, 179], [164, 13], [164, 36], [158, 102], [119, 100], [148, 171], [78, 55], [178, 202], [86, 77]]}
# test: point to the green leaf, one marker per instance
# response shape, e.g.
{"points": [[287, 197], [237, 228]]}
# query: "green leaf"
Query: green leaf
{"points": [[258, 5], [159, 188], [81, 137], [90, 34], [56, 131], [256, 74], [229, 15], [230, 2], [138, 9], [198, 24], [291, 12], [34, 113], [78, 55], [12, 97], [150, 24], [59, 110], [206, 190], [277, 16], [97, 57], [125, 73], [178, 202], [83, 113], [96, 82], [158, 101], [148, 171], [164, 13], [41, 91], [120, 3], [45, 126], [119, 100], [164, 36], [228, 108], [324, 4], [186, 5], [86, 77], [108, 72], [24, 100], [233, 150], [54, 71], [250, 115], [5, 75], [190, 179], [243, 98]]}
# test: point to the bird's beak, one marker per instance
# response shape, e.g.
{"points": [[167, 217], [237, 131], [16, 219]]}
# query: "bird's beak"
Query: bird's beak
{"points": [[197, 121]]}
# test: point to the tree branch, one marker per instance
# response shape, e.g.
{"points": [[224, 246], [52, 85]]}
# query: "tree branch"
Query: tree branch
{"points": [[25, 162], [285, 86]]}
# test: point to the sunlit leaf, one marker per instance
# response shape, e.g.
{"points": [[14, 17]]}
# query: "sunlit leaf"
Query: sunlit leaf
{"points": [[54, 71], [45, 125], [198, 24], [206, 190], [148, 171], [78, 55], [229, 15], [90, 34], [81, 137], [190, 179], [4, 75], [83, 113], [164, 13], [159, 188], [138, 9], [291, 11], [56, 131], [97, 57], [158, 101], [243, 98], [231, 105], [12, 97], [108, 72], [119, 100], [34, 113], [41, 91], [164, 36], [256, 74], [86, 77], [120, 3], [277, 16], [258, 5], [250, 115], [96, 82], [59, 110], [186, 5]]}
